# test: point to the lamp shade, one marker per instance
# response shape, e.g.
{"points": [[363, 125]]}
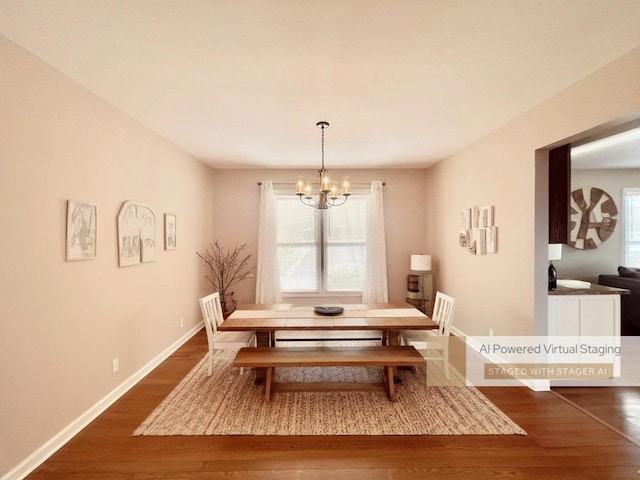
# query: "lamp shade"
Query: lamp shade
{"points": [[421, 263], [555, 251]]}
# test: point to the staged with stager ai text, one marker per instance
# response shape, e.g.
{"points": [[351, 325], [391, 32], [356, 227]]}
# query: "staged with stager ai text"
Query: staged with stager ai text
{"points": [[587, 361]]}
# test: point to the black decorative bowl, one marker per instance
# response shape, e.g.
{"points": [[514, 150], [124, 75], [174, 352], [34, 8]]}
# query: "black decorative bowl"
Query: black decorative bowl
{"points": [[328, 310]]}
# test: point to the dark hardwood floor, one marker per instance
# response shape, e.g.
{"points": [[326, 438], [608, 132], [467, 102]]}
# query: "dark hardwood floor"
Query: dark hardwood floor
{"points": [[619, 408], [563, 442]]}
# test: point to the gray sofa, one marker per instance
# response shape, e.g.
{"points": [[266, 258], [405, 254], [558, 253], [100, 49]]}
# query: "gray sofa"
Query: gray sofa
{"points": [[628, 278]]}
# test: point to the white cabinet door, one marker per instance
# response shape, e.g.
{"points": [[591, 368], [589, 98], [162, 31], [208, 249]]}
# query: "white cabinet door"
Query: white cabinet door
{"points": [[600, 315], [564, 315]]}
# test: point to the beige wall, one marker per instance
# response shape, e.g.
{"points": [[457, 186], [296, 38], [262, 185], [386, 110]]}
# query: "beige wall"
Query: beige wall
{"points": [[62, 323], [237, 199], [507, 292]]}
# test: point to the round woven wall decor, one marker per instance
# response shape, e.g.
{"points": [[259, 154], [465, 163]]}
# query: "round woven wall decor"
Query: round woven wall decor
{"points": [[593, 218]]}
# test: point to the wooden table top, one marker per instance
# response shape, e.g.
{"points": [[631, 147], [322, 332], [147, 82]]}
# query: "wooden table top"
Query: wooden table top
{"points": [[355, 317]]}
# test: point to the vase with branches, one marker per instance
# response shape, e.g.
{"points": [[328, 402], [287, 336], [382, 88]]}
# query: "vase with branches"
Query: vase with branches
{"points": [[224, 268]]}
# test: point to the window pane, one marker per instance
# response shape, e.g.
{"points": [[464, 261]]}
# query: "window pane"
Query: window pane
{"points": [[345, 249], [347, 222], [296, 222], [345, 267], [632, 255], [297, 267], [631, 208]]}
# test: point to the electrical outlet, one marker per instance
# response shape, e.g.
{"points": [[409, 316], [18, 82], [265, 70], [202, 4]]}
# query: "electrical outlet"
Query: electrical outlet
{"points": [[491, 332], [182, 321], [116, 365]]}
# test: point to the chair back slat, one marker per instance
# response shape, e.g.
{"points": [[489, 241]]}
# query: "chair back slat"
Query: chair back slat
{"points": [[443, 309], [211, 312]]}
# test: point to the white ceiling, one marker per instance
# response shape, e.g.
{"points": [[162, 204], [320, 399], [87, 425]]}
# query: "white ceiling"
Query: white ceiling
{"points": [[403, 83], [621, 150]]}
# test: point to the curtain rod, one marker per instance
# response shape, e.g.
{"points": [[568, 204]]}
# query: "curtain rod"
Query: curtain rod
{"points": [[293, 183]]}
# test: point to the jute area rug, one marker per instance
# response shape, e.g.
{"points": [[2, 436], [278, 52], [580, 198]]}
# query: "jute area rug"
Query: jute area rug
{"points": [[230, 404]]}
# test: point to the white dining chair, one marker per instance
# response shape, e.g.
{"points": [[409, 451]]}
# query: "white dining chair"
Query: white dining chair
{"points": [[212, 316], [436, 340]]}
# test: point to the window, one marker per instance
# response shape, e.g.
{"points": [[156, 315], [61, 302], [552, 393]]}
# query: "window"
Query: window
{"points": [[321, 251], [631, 211]]}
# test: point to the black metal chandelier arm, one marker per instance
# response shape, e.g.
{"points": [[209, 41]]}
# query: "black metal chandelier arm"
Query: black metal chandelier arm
{"points": [[334, 204], [328, 203]]}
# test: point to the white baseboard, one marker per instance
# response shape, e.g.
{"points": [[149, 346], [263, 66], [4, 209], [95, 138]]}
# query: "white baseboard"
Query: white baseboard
{"points": [[38, 457], [535, 385]]}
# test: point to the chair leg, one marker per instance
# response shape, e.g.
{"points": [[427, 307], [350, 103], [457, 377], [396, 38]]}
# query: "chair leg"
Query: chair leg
{"points": [[445, 359], [426, 370], [211, 351]]}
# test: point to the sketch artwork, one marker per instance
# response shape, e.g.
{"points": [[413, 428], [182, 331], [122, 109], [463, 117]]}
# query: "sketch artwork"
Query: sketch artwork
{"points": [[475, 217], [169, 231], [465, 219], [486, 217], [82, 219], [478, 233], [492, 239], [136, 234]]}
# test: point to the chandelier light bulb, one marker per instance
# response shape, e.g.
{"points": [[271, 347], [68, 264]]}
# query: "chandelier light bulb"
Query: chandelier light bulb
{"points": [[346, 187]]}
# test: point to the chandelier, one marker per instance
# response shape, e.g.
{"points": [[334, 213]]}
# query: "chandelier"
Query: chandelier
{"points": [[323, 194]]}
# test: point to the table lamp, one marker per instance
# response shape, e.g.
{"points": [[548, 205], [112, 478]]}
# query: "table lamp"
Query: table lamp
{"points": [[421, 263], [555, 253]]}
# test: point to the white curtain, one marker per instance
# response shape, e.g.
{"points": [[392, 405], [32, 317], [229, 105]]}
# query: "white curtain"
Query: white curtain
{"points": [[375, 275], [267, 274]]}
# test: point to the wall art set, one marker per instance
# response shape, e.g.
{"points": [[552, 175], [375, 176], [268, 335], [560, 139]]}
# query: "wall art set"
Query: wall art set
{"points": [[136, 231], [478, 233]]}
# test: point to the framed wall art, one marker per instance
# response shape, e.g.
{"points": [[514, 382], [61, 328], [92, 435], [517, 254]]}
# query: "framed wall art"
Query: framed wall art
{"points": [[82, 224], [169, 231], [136, 234]]}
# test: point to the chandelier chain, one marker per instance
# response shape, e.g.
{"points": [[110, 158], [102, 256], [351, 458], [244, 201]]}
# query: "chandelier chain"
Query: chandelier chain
{"points": [[322, 130]]}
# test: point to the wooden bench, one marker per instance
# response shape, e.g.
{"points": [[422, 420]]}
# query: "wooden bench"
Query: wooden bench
{"points": [[388, 357]]}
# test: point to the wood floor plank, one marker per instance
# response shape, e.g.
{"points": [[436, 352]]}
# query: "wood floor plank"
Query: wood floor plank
{"points": [[562, 443]]}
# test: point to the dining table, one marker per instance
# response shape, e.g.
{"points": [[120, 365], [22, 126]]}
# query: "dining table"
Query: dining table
{"points": [[266, 319]]}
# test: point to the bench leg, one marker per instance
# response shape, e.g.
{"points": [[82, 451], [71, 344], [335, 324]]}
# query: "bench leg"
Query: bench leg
{"points": [[263, 339], [394, 339], [391, 393], [267, 385]]}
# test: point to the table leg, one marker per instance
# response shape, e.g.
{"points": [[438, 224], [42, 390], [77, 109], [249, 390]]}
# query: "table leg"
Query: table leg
{"points": [[393, 338], [263, 339], [389, 378], [267, 385]]}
